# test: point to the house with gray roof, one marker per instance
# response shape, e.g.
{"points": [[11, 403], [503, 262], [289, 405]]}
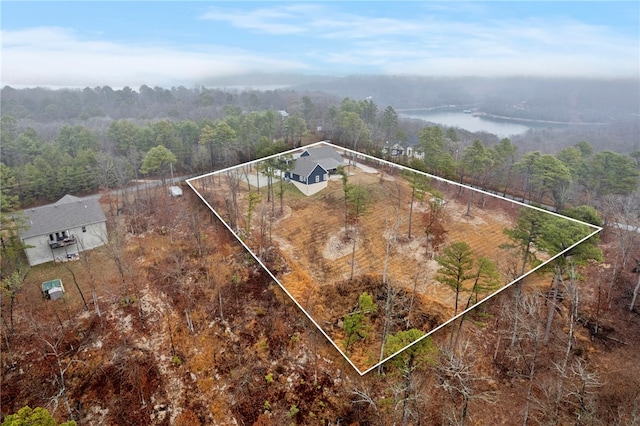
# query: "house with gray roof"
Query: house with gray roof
{"points": [[396, 151], [313, 167], [61, 230], [326, 156]]}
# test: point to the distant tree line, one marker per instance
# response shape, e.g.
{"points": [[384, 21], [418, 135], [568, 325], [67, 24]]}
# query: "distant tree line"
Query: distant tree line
{"points": [[77, 141], [42, 159], [574, 175]]}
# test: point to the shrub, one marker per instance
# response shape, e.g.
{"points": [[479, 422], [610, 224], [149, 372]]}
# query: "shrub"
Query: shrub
{"points": [[292, 411]]}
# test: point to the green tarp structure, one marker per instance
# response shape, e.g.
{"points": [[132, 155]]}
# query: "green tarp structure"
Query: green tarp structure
{"points": [[53, 289]]}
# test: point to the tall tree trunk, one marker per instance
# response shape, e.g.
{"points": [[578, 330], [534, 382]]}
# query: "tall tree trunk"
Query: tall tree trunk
{"points": [[407, 390], [386, 324], [281, 193], [455, 312], [562, 368], [386, 256], [518, 294], [506, 184], [413, 193], [75, 281], [516, 318], [462, 318], [635, 291], [557, 277], [532, 370], [353, 251], [413, 296]]}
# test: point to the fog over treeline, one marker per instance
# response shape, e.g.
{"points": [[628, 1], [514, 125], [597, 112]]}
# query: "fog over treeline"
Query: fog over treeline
{"points": [[561, 99], [613, 104], [78, 140], [577, 100]]}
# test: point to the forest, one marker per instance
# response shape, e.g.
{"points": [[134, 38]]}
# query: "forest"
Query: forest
{"points": [[72, 141], [171, 322]]}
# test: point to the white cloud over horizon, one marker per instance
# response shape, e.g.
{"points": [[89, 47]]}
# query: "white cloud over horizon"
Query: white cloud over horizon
{"points": [[59, 57], [322, 38]]}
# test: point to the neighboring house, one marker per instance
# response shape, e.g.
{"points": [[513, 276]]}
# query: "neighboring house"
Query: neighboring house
{"points": [[393, 150], [61, 230], [415, 151], [401, 151], [313, 167]]}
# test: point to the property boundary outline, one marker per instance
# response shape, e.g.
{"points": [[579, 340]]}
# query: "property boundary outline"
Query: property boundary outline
{"points": [[355, 155]]}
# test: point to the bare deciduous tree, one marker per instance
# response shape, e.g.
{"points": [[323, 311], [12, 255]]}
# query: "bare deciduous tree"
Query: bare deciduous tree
{"points": [[457, 379], [581, 395], [233, 181], [636, 288], [358, 205], [116, 250]]}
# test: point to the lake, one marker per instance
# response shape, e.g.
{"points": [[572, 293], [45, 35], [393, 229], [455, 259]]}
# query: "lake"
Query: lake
{"points": [[467, 122]]}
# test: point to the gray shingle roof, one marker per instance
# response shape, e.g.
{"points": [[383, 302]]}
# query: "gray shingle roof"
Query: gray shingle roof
{"points": [[330, 163], [326, 156], [304, 167], [68, 212]]}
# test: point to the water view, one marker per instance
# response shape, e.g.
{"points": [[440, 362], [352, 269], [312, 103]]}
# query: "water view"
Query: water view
{"points": [[467, 121]]}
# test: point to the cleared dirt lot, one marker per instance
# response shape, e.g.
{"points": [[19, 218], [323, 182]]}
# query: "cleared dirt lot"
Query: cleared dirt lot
{"points": [[316, 255]]}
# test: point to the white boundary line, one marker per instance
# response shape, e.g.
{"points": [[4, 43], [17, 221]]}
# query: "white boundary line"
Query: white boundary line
{"points": [[597, 229]]}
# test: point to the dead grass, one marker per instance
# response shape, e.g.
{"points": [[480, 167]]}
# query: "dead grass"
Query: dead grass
{"points": [[311, 237], [121, 362], [219, 375]]}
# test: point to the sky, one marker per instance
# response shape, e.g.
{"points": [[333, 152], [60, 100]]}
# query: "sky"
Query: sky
{"points": [[171, 43]]}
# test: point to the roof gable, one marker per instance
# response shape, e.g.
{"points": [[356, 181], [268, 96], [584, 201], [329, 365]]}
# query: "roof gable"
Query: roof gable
{"points": [[305, 167], [68, 212], [67, 199], [322, 153]]}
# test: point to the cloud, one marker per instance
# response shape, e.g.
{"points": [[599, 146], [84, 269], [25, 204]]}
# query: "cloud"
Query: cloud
{"points": [[286, 19], [520, 48], [547, 66], [326, 38], [54, 56], [450, 38]]}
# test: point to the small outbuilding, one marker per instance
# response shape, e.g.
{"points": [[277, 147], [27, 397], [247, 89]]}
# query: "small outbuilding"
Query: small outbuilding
{"points": [[53, 289], [175, 191]]}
